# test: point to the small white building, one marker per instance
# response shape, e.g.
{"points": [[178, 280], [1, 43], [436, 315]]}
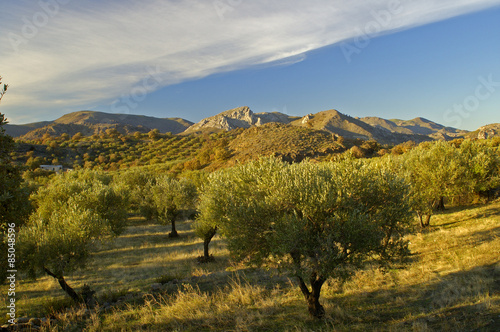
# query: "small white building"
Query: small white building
{"points": [[52, 168]]}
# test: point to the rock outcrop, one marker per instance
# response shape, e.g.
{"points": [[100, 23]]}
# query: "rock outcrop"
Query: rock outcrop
{"points": [[489, 131], [241, 117]]}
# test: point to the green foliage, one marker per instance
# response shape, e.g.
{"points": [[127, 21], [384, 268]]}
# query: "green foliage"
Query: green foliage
{"points": [[73, 212], [154, 134], [14, 203], [171, 197], [441, 170], [14, 206], [138, 183], [63, 241], [318, 221], [482, 160], [89, 190], [6, 142]]}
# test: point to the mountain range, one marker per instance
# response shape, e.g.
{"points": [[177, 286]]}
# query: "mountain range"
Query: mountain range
{"points": [[384, 131], [91, 122]]}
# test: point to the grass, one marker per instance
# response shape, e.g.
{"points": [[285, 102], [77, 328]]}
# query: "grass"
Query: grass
{"points": [[451, 284], [290, 142]]}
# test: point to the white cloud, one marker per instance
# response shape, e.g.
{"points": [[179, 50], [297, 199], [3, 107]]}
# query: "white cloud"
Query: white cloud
{"points": [[91, 52]]}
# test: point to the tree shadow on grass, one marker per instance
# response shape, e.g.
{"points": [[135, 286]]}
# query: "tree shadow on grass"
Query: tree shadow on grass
{"points": [[480, 237], [461, 301]]}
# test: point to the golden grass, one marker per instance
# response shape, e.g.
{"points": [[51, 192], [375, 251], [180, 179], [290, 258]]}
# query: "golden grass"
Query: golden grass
{"points": [[451, 284]]}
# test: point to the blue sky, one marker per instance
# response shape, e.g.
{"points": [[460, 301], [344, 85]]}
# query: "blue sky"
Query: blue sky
{"points": [[192, 59]]}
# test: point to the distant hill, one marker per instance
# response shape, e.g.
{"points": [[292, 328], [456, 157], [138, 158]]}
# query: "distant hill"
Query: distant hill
{"points": [[384, 131], [241, 117], [90, 122], [417, 126], [353, 128], [334, 122], [488, 131], [20, 130], [375, 128]]}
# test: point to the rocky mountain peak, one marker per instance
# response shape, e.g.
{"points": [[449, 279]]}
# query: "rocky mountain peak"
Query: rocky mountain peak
{"points": [[240, 117], [489, 131]]}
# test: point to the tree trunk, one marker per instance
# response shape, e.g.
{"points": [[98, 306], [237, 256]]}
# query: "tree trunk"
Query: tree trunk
{"points": [[428, 220], [206, 242], [172, 214], [173, 232], [64, 285], [312, 297], [440, 205], [424, 223], [420, 217]]}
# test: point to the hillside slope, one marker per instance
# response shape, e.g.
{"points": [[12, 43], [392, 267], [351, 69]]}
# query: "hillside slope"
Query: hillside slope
{"points": [[488, 131], [90, 122], [332, 121], [384, 131], [20, 130], [292, 143], [340, 124]]}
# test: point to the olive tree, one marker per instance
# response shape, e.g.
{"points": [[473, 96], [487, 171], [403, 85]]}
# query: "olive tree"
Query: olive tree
{"points": [[171, 197], [139, 183], [73, 213], [483, 162], [435, 171], [317, 221], [205, 230], [14, 203]]}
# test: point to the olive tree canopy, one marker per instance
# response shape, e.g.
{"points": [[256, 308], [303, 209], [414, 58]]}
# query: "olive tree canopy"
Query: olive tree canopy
{"points": [[317, 221]]}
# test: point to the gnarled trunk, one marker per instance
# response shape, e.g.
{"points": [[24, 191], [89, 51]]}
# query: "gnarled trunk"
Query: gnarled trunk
{"points": [[425, 220], [440, 204], [206, 242], [206, 258], [312, 296], [64, 285]]}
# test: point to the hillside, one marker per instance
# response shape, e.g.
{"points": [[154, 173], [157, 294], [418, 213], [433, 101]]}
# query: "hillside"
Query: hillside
{"points": [[384, 131], [492, 130], [434, 130], [334, 122], [20, 130], [417, 126], [90, 122], [292, 143], [353, 128]]}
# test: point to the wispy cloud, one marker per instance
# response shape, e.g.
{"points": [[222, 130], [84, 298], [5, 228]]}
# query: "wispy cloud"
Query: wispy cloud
{"points": [[89, 52]]}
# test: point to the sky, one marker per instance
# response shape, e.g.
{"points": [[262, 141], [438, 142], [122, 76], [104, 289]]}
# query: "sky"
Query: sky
{"points": [[195, 58]]}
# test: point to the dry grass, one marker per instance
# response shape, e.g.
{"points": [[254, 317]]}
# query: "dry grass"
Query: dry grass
{"points": [[451, 284]]}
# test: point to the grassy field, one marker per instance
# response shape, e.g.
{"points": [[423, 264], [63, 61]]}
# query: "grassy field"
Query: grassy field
{"points": [[145, 281]]}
